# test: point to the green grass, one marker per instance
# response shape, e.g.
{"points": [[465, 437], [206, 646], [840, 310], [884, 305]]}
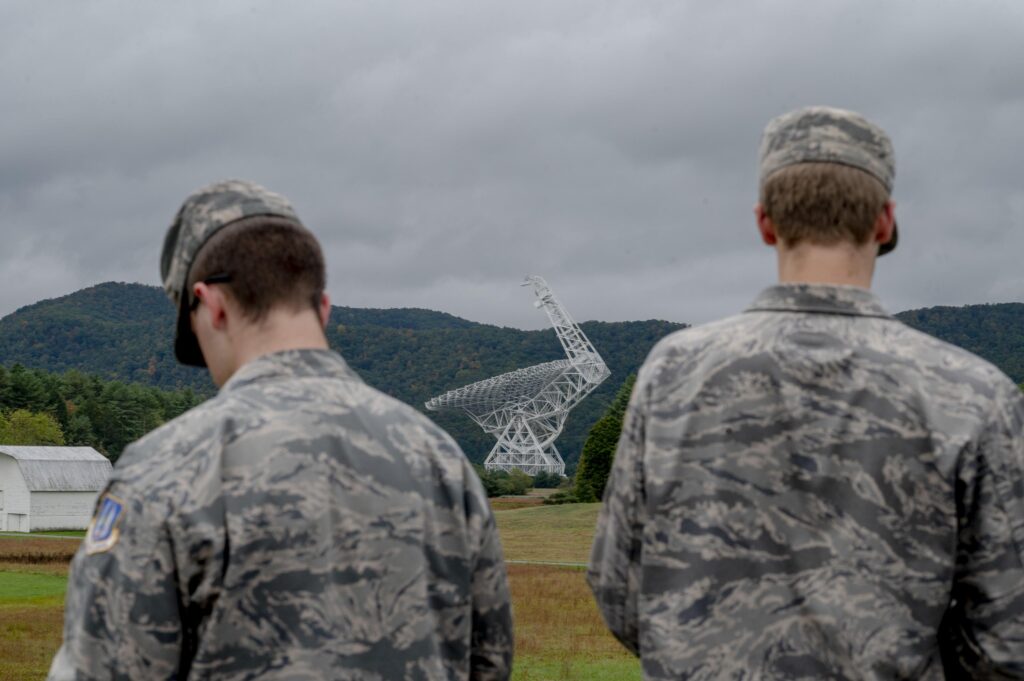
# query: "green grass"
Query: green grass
{"points": [[530, 669], [31, 622], [548, 533], [58, 534], [29, 588]]}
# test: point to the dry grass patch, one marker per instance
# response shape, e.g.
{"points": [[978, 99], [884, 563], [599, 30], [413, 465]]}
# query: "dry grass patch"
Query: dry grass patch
{"points": [[37, 551], [56, 569], [513, 503], [29, 637], [559, 632]]}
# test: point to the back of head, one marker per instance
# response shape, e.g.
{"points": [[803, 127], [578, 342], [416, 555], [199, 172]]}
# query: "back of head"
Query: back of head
{"points": [[823, 203], [267, 262], [248, 239], [825, 176]]}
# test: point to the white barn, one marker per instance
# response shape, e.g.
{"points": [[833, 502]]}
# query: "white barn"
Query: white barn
{"points": [[49, 488]]}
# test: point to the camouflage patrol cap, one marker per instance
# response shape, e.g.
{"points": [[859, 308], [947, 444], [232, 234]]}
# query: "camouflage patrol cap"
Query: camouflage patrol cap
{"points": [[821, 134], [202, 215]]}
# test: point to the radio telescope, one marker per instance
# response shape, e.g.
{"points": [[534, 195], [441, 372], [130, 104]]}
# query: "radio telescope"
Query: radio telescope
{"points": [[526, 409]]}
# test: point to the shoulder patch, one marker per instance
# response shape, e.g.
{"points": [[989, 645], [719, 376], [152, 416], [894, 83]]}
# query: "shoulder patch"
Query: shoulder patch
{"points": [[103, 531]]}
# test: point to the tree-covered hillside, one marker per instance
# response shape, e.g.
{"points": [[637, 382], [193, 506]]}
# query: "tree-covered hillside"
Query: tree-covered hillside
{"points": [[995, 332], [109, 330], [123, 332]]}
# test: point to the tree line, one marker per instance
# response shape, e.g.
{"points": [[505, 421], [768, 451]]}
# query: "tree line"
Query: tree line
{"points": [[78, 409]]}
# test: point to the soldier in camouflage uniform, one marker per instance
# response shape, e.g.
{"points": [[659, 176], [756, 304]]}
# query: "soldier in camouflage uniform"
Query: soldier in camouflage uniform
{"points": [[811, 489], [300, 524]]}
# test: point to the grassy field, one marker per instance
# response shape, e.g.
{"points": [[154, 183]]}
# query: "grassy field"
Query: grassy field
{"points": [[559, 633], [29, 636], [29, 588], [548, 533], [32, 582]]}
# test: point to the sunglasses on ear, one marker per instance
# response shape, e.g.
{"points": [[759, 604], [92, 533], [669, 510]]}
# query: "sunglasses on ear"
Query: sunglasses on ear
{"points": [[222, 278]]}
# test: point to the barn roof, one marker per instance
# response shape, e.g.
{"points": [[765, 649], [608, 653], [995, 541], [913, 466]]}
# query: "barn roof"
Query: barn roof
{"points": [[60, 469]]}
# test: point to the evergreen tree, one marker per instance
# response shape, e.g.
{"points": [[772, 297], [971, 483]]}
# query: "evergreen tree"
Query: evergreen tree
{"points": [[5, 386], [79, 431], [26, 390], [599, 449], [38, 408]]}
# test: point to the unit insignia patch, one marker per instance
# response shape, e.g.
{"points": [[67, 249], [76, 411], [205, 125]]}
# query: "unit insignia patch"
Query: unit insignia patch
{"points": [[103, 532]]}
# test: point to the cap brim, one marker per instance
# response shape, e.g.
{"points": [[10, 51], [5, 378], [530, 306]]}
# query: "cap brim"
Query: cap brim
{"points": [[890, 246], [186, 345]]}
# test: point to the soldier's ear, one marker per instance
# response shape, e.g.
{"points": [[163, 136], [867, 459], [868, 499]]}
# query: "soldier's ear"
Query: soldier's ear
{"points": [[214, 301], [886, 223], [765, 226], [325, 309]]}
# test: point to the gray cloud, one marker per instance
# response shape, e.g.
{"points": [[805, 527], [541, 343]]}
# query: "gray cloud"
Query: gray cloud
{"points": [[443, 150]]}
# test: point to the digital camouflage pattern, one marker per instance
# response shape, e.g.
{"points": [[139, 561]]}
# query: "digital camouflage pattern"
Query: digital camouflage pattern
{"points": [[813, 490], [822, 134], [205, 212], [299, 525]]}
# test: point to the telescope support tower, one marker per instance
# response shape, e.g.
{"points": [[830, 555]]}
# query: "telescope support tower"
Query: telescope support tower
{"points": [[526, 409]]}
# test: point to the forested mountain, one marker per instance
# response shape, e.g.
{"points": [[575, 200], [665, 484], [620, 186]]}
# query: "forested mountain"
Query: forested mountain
{"points": [[124, 331], [995, 332]]}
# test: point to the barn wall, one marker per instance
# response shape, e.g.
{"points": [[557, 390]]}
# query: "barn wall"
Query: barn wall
{"points": [[62, 510], [14, 491]]}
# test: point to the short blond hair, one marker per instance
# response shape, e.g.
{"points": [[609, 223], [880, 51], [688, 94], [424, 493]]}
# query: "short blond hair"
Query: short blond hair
{"points": [[823, 203]]}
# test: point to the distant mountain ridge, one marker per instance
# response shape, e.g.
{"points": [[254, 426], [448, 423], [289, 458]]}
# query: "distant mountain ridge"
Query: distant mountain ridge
{"points": [[994, 331], [124, 331], [98, 329]]}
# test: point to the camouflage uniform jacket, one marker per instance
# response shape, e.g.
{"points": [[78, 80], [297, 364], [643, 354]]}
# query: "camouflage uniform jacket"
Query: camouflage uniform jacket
{"points": [[299, 525], [814, 490]]}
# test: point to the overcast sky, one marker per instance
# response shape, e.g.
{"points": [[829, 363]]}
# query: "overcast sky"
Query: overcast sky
{"points": [[443, 150]]}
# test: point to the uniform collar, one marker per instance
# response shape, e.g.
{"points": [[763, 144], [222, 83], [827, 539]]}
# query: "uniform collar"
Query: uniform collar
{"points": [[819, 298], [291, 364]]}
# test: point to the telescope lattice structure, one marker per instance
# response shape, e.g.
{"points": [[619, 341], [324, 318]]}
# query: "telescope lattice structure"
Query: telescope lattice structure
{"points": [[526, 409]]}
